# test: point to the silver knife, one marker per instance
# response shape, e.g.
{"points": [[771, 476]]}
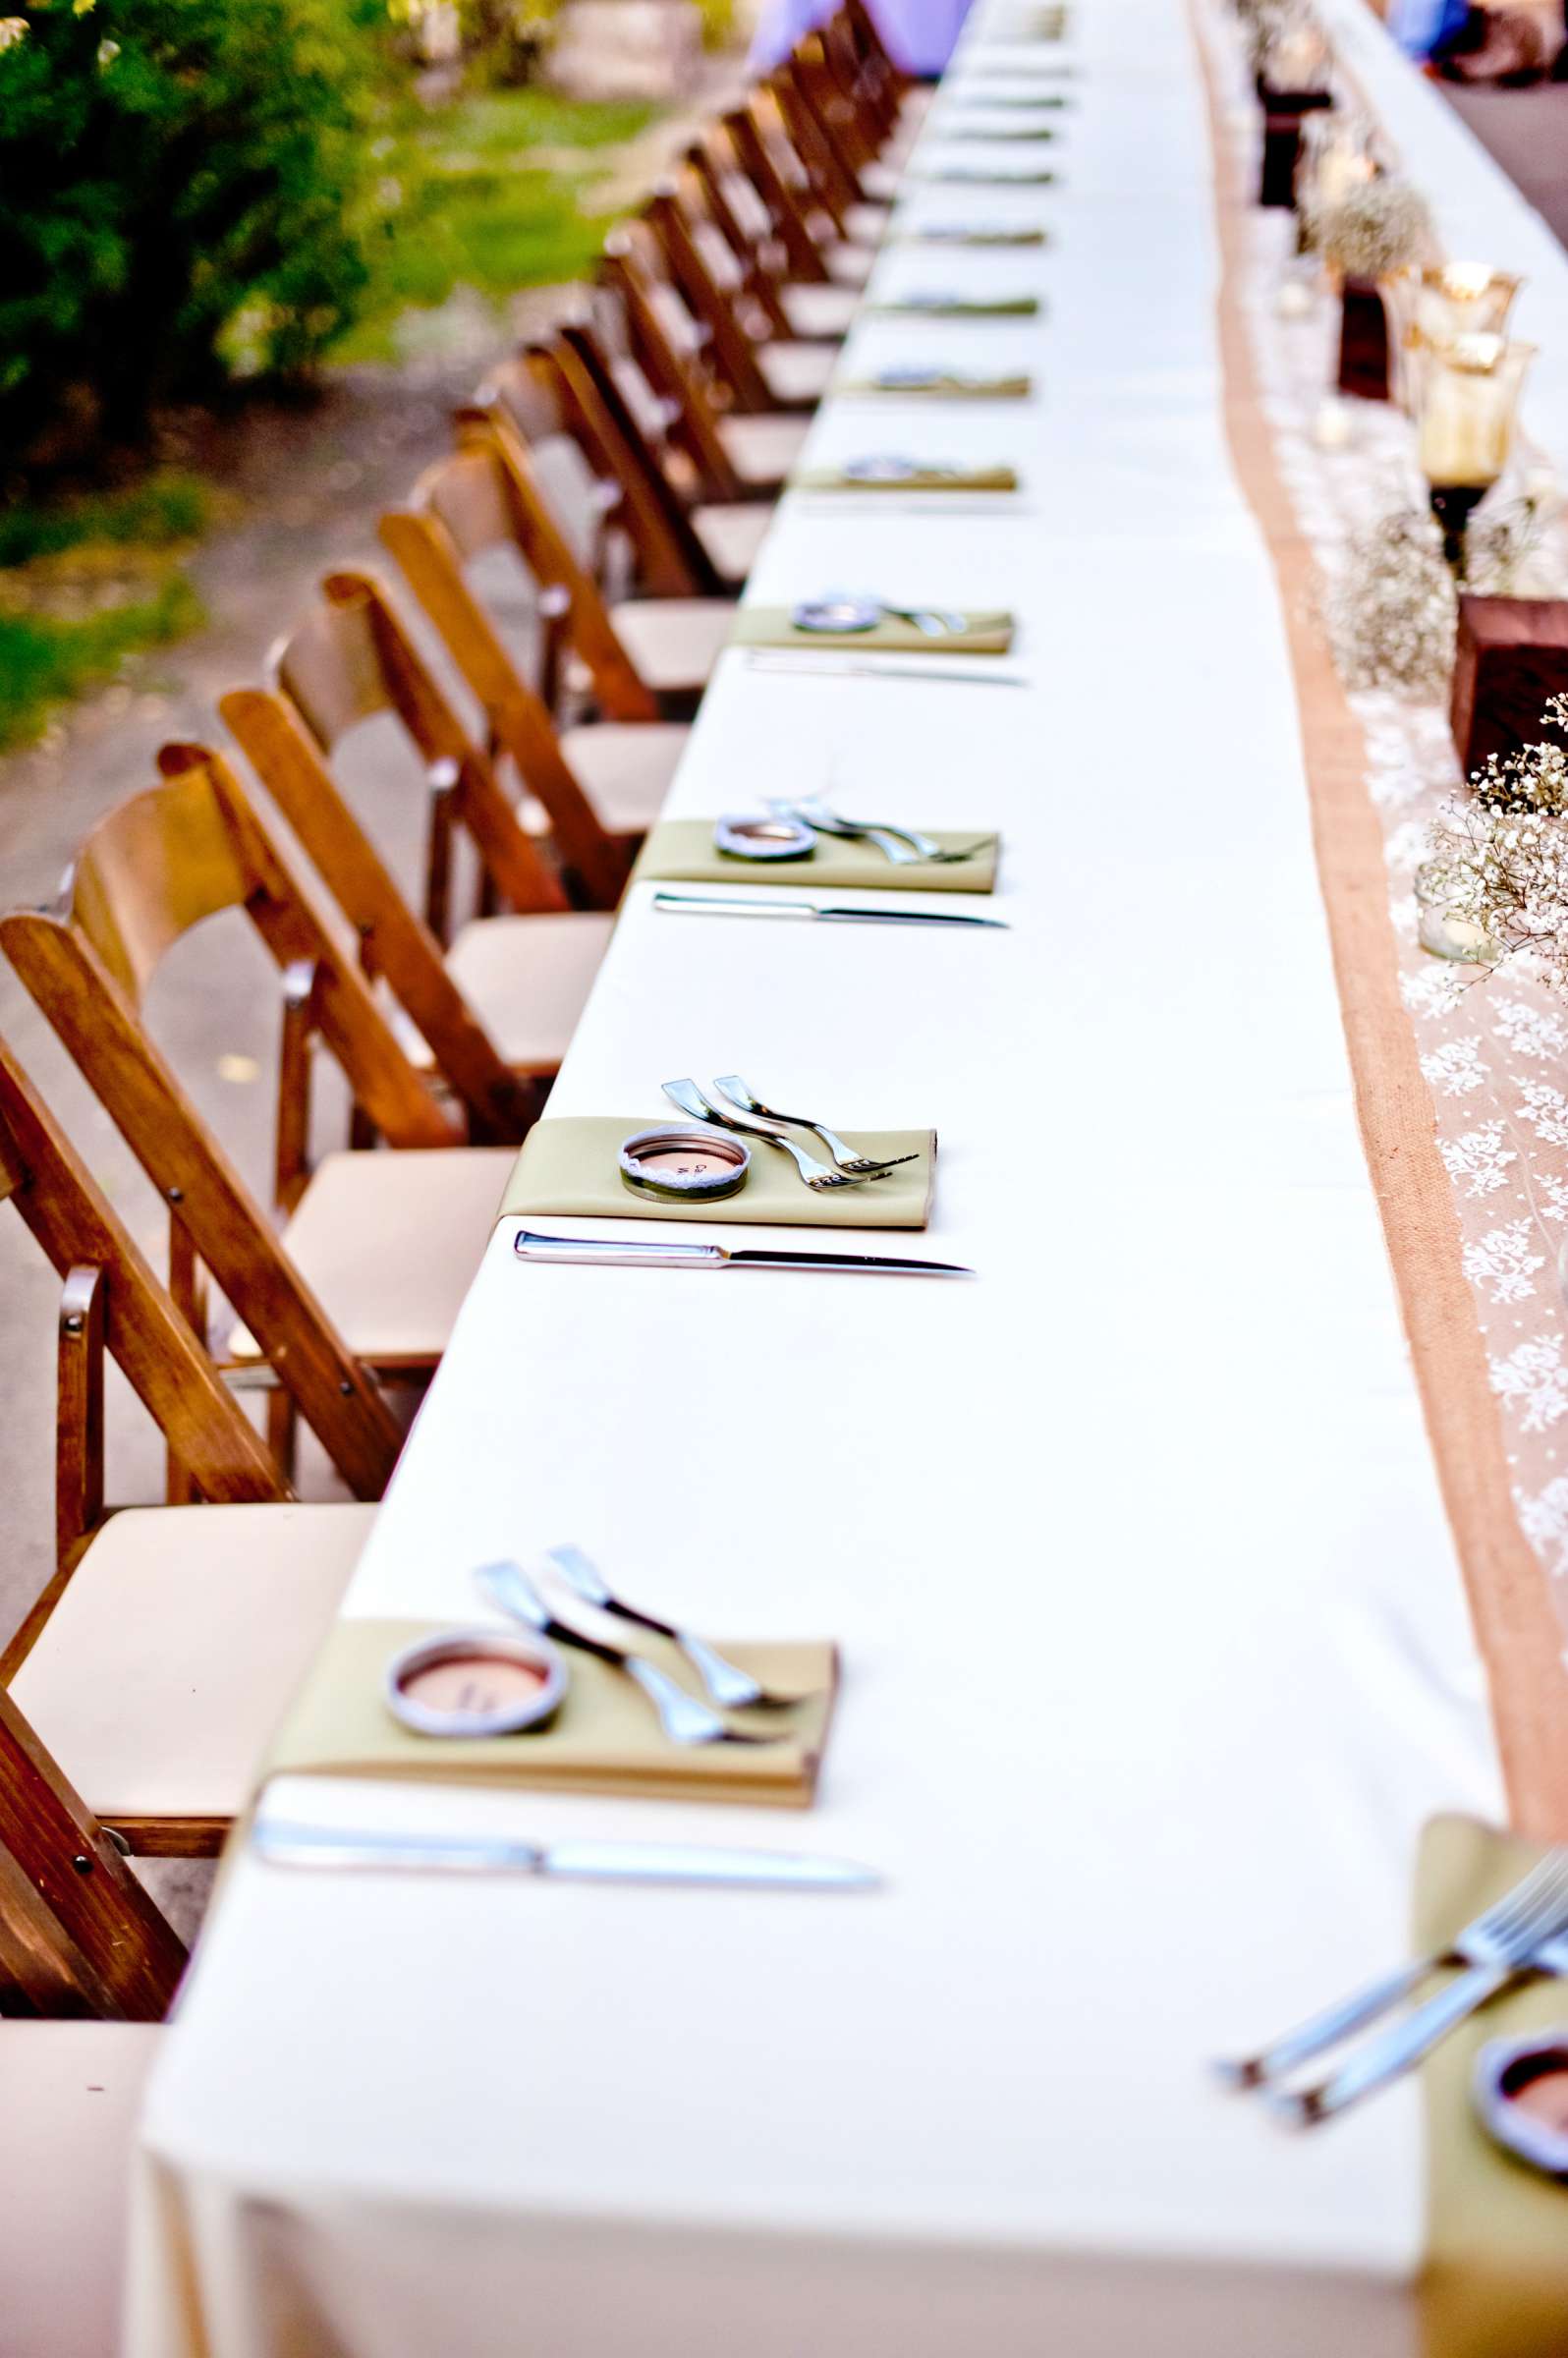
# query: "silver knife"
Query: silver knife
{"points": [[758, 904], [283, 1844], [659, 1252], [782, 662]]}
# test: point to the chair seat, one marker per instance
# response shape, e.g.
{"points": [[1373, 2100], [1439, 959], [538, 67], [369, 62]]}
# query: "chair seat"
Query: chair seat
{"points": [[821, 310], [626, 769], [880, 181], [527, 980], [849, 264], [731, 534], [70, 2093], [866, 224], [389, 1244], [762, 450], [674, 643], [797, 375], [161, 1675]]}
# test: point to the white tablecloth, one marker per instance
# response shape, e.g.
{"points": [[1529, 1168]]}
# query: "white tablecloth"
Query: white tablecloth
{"points": [[1157, 1656]]}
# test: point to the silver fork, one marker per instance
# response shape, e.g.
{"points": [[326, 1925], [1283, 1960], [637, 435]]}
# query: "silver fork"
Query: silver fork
{"points": [[690, 1100], [725, 1682], [1473, 1946], [1504, 1955], [859, 1167], [888, 839], [684, 1719]]}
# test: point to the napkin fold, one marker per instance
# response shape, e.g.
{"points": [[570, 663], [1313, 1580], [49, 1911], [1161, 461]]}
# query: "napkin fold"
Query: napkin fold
{"points": [[995, 307], [948, 388], [605, 1738], [681, 851], [981, 237], [993, 131], [1495, 2283], [967, 479], [973, 176], [770, 626], [569, 1167]]}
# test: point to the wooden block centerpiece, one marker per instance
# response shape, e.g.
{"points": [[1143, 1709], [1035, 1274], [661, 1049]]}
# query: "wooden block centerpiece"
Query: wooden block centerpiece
{"points": [[1511, 654]]}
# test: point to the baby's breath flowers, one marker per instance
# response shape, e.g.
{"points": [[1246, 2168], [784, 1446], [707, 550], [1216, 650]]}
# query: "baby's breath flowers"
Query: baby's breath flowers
{"points": [[1499, 863], [1374, 229], [1392, 608]]}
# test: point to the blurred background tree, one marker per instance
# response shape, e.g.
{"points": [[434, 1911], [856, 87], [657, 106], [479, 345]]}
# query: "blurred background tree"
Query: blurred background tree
{"points": [[183, 192]]}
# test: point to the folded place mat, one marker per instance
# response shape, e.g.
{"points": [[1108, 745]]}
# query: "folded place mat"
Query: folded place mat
{"points": [[947, 388], [603, 1739], [981, 237], [1495, 2284], [681, 851], [1001, 307], [570, 1167], [971, 479], [993, 131], [770, 626]]}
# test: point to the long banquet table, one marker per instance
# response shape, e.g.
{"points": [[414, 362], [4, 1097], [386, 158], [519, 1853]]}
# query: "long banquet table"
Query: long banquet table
{"points": [[1156, 1649]]}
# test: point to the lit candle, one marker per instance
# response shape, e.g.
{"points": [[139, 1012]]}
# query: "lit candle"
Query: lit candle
{"points": [[1468, 391]]}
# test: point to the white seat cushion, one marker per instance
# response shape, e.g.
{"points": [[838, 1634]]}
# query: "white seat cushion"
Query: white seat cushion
{"points": [[161, 1675], [796, 372], [762, 450], [527, 980], [818, 311], [731, 534], [625, 769], [674, 643], [849, 266], [880, 181], [866, 224], [389, 1243], [69, 2094]]}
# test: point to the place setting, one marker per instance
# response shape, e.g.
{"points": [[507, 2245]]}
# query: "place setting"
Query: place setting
{"points": [[803, 841], [946, 302], [940, 380], [873, 623], [881, 475]]}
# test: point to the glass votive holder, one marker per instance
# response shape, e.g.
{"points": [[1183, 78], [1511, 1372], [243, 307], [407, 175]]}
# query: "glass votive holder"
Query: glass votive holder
{"points": [[1465, 298], [1442, 928], [1465, 419], [1335, 157]]}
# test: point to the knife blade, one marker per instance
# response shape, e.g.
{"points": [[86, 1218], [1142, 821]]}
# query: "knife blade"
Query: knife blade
{"points": [[283, 1842], [830, 912], [657, 1252]]}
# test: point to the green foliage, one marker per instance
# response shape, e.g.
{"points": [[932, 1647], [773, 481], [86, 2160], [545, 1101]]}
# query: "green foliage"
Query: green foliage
{"points": [[164, 509], [468, 203], [45, 659], [182, 179]]}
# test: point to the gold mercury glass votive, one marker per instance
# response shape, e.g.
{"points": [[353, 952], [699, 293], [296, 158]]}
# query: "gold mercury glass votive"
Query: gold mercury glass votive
{"points": [[1335, 157], [1468, 400]]}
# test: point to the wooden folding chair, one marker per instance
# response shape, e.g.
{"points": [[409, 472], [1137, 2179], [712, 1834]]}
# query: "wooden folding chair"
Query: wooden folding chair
{"points": [[644, 659], [376, 1249], [734, 458], [141, 1687], [818, 307], [763, 370], [826, 235], [854, 139], [493, 1017]]}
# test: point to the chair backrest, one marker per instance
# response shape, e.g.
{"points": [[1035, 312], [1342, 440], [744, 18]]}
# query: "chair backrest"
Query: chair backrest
{"points": [[835, 186], [350, 661], [152, 869], [720, 301], [462, 506], [733, 227], [758, 156], [671, 373], [79, 1933]]}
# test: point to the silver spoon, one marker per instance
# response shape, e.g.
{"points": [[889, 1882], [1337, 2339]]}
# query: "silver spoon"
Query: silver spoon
{"points": [[888, 839], [689, 1098], [684, 1719]]}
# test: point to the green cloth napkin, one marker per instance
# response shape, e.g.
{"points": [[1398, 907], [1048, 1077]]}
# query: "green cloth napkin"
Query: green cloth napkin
{"points": [[975, 479], [991, 130], [681, 851], [770, 626], [603, 1739], [1005, 307], [949, 388], [1495, 2284], [983, 237], [569, 1167]]}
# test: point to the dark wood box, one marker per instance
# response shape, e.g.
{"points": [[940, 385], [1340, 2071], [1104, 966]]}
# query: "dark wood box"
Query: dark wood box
{"points": [[1363, 340], [1282, 114], [1510, 656]]}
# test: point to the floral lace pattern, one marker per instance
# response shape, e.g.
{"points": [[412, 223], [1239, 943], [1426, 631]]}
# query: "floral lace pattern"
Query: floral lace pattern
{"points": [[1494, 1049]]}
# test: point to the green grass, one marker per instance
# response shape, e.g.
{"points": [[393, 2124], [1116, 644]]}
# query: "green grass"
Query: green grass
{"points": [[465, 208], [168, 507], [46, 659]]}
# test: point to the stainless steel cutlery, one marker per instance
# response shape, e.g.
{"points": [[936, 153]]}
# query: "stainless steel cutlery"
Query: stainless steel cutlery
{"points": [[1525, 1931], [785, 662], [655, 1252], [729, 1685], [731, 1086], [844, 913], [283, 1842], [819, 1176], [684, 1719], [904, 847]]}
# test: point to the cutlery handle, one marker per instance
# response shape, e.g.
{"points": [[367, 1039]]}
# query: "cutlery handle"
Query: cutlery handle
{"points": [[707, 906], [682, 1719], [729, 1685], [615, 1252], [1389, 2056], [1326, 2029]]}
